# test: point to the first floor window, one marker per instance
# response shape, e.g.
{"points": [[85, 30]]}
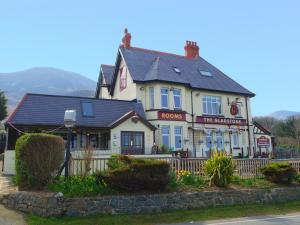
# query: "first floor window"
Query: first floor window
{"points": [[219, 140], [151, 98], [165, 132], [164, 96], [177, 98], [178, 137], [211, 105]]}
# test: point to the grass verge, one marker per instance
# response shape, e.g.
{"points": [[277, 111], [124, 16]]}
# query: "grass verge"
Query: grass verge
{"points": [[172, 217]]}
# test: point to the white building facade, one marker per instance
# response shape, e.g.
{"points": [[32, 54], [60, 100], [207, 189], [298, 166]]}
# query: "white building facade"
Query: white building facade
{"points": [[193, 105]]}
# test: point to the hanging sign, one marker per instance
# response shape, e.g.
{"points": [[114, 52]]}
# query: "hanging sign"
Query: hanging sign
{"points": [[176, 116], [234, 109], [220, 120], [263, 141]]}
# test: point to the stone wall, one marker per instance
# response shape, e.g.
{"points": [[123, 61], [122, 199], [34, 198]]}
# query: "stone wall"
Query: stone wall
{"points": [[50, 204]]}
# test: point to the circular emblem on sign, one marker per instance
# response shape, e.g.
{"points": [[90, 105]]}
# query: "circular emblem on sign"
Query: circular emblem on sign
{"points": [[234, 109]]}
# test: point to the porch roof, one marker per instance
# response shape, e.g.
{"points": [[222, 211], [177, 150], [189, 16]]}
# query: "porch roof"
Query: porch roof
{"points": [[40, 109]]}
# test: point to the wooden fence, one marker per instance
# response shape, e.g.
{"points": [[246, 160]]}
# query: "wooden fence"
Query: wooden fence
{"points": [[244, 167]]}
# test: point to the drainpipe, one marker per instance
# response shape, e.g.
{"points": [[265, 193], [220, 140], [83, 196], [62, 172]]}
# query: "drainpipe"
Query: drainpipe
{"points": [[248, 125], [193, 124]]}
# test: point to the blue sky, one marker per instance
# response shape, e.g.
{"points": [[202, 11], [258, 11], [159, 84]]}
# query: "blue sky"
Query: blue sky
{"points": [[255, 42]]}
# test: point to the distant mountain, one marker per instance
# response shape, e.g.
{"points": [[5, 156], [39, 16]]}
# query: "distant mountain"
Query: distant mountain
{"points": [[44, 80], [284, 114]]}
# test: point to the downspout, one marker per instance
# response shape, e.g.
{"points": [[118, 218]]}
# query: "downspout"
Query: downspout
{"points": [[248, 125], [193, 124]]}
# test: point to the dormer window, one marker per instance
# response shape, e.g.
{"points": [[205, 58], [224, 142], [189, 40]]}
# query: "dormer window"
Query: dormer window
{"points": [[123, 78], [176, 69], [205, 73]]}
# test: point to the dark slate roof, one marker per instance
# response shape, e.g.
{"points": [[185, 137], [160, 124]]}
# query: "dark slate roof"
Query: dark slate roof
{"points": [[148, 65], [39, 109], [108, 71]]}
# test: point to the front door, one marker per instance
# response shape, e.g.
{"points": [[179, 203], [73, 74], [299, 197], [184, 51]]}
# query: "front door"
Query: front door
{"points": [[132, 143]]}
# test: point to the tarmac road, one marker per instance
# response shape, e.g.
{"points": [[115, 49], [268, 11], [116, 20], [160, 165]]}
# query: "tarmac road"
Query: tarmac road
{"points": [[289, 219]]}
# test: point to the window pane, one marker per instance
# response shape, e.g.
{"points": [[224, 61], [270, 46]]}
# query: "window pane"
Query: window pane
{"points": [[177, 98], [164, 98], [165, 131], [212, 105], [151, 97], [178, 137]]}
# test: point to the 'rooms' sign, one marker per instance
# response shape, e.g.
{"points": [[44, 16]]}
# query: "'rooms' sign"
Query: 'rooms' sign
{"points": [[177, 116]]}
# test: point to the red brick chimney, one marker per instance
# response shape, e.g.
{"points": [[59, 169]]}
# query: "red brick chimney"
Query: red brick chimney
{"points": [[191, 50], [126, 39]]}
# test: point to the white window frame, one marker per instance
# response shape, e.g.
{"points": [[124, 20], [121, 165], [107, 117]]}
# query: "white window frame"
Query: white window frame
{"points": [[178, 135], [161, 97], [151, 97], [178, 96], [168, 135], [239, 106], [208, 103]]}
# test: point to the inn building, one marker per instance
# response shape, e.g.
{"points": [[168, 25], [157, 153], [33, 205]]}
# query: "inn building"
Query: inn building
{"points": [[192, 104], [148, 101]]}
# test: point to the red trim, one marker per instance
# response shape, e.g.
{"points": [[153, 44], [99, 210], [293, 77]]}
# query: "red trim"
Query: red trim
{"points": [[17, 108]]}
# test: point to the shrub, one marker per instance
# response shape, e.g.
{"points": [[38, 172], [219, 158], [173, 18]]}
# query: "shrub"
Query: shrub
{"points": [[77, 186], [279, 172], [137, 174], [219, 168], [38, 157]]}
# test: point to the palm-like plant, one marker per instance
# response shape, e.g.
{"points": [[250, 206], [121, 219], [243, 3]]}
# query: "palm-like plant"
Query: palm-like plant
{"points": [[220, 168]]}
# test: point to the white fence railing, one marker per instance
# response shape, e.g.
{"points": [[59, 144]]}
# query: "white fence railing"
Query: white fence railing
{"points": [[244, 167]]}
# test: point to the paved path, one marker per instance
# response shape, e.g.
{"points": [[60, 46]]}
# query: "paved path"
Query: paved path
{"points": [[289, 219], [7, 216]]}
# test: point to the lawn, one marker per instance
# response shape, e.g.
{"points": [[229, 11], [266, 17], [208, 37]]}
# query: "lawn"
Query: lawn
{"points": [[172, 217]]}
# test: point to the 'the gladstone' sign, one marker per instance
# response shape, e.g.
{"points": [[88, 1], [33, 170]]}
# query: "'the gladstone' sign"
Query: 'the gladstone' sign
{"points": [[220, 120]]}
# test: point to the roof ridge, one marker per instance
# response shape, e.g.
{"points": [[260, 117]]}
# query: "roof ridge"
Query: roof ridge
{"points": [[91, 98], [154, 66], [156, 51]]}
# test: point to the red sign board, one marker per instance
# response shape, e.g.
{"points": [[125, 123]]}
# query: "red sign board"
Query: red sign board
{"points": [[177, 116], [220, 120], [234, 110], [263, 141]]}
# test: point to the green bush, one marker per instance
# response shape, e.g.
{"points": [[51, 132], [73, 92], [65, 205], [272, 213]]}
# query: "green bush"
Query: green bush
{"points": [[279, 172], [219, 168], [137, 174], [76, 186], [38, 158]]}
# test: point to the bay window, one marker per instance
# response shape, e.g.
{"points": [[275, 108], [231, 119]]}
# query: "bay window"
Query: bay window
{"points": [[177, 98], [164, 98], [211, 105]]}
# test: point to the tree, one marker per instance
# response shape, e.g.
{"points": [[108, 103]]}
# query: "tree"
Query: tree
{"points": [[267, 122], [3, 107]]}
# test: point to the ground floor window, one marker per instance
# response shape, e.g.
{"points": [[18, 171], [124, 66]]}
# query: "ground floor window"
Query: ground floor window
{"points": [[235, 140], [165, 133], [178, 137]]}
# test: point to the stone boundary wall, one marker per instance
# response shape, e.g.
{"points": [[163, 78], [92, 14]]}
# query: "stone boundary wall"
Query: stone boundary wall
{"points": [[51, 204]]}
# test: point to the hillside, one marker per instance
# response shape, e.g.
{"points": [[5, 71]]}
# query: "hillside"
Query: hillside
{"points": [[44, 80], [284, 114]]}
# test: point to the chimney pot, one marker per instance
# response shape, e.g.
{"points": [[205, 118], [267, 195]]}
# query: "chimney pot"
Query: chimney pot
{"points": [[126, 39], [191, 49]]}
